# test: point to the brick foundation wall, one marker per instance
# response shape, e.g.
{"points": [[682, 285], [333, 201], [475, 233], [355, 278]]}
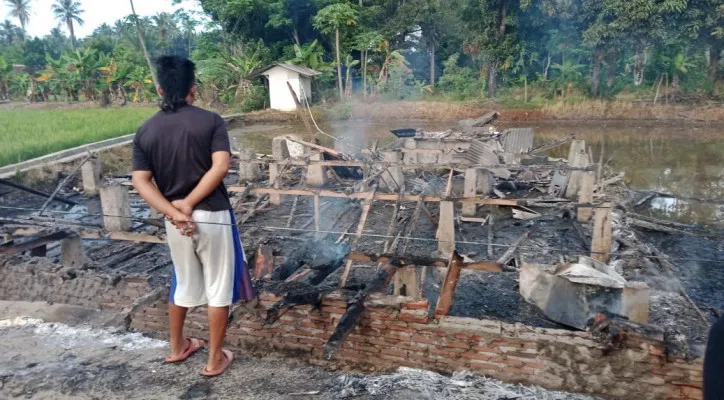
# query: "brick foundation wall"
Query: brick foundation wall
{"points": [[49, 282], [396, 331]]}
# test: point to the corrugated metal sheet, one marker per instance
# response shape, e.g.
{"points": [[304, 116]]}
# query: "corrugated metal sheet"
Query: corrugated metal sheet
{"points": [[518, 140], [480, 153]]}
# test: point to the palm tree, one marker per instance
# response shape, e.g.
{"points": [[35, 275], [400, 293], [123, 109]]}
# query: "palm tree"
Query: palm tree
{"points": [[166, 26], [69, 11], [143, 46], [20, 9], [8, 31]]}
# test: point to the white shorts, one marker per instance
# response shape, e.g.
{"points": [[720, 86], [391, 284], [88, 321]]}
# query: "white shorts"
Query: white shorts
{"points": [[210, 267]]}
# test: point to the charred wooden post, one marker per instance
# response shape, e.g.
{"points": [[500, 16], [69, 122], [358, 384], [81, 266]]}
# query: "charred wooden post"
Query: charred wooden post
{"points": [[602, 234], [366, 206], [577, 158], [248, 170], [264, 265], [446, 228], [280, 152], [444, 302], [408, 282], [317, 215], [393, 178], [92, 176], [356, 307], [470, 190], [585, 196], [116, 207]]}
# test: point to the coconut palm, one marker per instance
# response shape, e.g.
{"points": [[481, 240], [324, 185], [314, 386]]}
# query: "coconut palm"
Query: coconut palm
{"points": [[166, 26], [69, 12], [143, 45], [20, 9], [8, 31]]}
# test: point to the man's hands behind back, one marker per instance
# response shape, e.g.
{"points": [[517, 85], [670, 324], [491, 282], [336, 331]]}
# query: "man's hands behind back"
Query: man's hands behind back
{"points": [[182, 219]]}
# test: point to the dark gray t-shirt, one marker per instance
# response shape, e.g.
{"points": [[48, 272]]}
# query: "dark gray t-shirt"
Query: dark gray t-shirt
{"points": [[177, 147]]}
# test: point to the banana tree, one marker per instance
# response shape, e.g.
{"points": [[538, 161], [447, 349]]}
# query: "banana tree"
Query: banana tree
{"points": [[309, 55], [349, 63], [6, 69]]}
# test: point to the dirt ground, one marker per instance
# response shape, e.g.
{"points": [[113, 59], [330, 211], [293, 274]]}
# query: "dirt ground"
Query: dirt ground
{"points": [[51, 360]]}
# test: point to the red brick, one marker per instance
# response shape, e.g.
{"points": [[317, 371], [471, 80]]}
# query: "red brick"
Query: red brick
{"points": [[300, 332], [368, 349], [485, 349], [313, 325], [444, 353], [251, 325], [411, 346], [457, 345], [334, 310], [534, 364], [378, 326], [401, 328], [312, 341], [656, 351], [391, 352], [382, 317], [423, 339], [394, 359], [400, 336], [334, 303], [410, 318], [378, 342], [522, 355], [417, 305], [475, 356]]}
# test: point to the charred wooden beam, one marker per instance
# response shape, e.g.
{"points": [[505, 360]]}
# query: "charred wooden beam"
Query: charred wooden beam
{"points": [[444, 302], [485, 266], [17, 248], [36, 192], [356, 307]]}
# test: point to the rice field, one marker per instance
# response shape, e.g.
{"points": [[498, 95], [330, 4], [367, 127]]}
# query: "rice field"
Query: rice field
{"points": [[30, 133]]}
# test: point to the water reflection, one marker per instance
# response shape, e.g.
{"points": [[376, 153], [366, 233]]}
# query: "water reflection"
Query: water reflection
{"points": [[671, 158]]}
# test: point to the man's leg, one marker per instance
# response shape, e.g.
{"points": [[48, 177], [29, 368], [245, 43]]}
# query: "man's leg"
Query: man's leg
{"points": [[218, 318], [187, 287], [220, 252], [176, 318]]}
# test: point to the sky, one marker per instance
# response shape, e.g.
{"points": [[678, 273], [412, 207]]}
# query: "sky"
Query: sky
{"points": [[97, 12]]}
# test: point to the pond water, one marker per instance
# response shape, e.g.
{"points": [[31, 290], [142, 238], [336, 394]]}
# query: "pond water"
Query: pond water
{"points": [[681, 159]]}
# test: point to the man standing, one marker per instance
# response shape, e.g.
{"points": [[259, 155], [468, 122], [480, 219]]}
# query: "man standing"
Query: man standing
{"points": [[186, 151]]}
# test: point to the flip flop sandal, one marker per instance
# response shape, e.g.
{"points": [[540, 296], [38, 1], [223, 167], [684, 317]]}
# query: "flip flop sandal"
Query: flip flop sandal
{"points": [[228, 357], [194, 346]]}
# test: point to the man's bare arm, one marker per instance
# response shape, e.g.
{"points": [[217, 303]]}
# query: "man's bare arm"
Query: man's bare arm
{"points": [[143, 182], [220, 161]]}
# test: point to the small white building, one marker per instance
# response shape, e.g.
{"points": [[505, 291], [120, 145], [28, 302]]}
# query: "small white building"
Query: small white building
{"points": [[278, 75]]}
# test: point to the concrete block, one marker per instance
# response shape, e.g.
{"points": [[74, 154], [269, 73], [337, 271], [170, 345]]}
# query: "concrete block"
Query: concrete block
{"points": [[92, 176], [280, 149], [393, 178], [248, 171], [116, 208], [316, 174], [73, 255], [407, 282]]}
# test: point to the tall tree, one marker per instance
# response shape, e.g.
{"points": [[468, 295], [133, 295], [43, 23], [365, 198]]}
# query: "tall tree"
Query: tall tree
{"points": [[492, 27], [166, 26], [69, 12], [7, 29], [20, 9], [332, 19], [143, 47]]}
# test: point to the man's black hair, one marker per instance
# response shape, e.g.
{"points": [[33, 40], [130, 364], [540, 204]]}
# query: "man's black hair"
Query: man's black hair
{"points": [[176, 77]]}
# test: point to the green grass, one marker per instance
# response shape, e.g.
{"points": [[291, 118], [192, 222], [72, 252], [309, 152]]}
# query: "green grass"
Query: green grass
{"points": [[28, 133]]}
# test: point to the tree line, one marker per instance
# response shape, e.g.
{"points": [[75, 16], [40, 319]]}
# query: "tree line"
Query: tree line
{"points": [[459, 49]]}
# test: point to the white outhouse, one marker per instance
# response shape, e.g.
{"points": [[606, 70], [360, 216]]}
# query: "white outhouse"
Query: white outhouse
{"points": [[278, 76]]}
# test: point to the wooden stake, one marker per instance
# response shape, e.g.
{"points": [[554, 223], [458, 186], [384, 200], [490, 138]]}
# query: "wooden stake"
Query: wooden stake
{"points": [[317, 216], [444, 303], [446, 228], [471, 187], [315, 146], [491, 236], [294, 210], [602, 234], [585, 196], [360, 229]]}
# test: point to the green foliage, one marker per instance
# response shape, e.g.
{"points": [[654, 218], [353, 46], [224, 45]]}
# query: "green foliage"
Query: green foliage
{"points": [[457, 82]]}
